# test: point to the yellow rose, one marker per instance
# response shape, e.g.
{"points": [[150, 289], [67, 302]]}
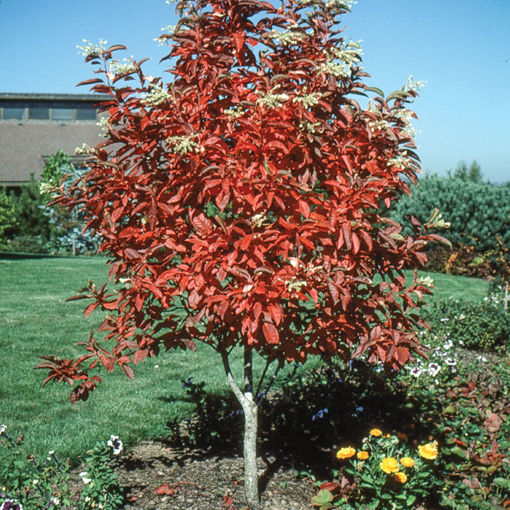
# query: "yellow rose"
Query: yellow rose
{"points": [[407, 462], [362, 455], [389, 465], [376, 432], [400, 477], [345, 453], [428, 451]]}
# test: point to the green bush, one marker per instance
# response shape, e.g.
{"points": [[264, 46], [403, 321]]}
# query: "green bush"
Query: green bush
{"points": [[7, 215], [483, 326], [477, 212]]}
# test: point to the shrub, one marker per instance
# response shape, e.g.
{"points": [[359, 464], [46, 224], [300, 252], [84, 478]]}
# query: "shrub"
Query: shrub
{"points": [[483, 326], [477, 212], [7, 215]]}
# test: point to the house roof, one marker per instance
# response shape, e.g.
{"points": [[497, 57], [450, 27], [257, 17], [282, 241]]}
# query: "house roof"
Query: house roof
{"points": [[25, 144], [38, 96]]}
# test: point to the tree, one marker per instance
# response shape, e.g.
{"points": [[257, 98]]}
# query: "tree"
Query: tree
{"points": [[473, 172], [68, 225], [7, 215], [239, 203]]}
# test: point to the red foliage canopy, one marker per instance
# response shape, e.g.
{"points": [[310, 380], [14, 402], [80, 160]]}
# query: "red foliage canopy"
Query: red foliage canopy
{"points": [[241, 203]]}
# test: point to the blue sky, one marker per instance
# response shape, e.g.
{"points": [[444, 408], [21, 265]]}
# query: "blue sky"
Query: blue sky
{"points": [[460, 47]]}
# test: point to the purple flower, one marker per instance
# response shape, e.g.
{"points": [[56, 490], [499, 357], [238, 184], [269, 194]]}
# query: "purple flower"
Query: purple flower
{"points": [[116, 444], [11, 504]]}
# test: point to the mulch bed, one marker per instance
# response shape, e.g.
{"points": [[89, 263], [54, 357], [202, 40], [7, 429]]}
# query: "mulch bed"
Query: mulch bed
{"points": [[156, 476]]}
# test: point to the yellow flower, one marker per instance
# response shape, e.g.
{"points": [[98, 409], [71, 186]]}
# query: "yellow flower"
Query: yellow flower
{"points": [[345, 453], [407, 462], [400, 477], [387, 436], [376, 432], [428, 451], [362, 455], [389, 465]]}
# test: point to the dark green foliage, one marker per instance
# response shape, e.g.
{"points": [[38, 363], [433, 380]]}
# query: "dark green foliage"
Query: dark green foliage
{"points": [[483, 325], [33, 230], [472, 173], [58, 165], [477, 212], [7, 215]]}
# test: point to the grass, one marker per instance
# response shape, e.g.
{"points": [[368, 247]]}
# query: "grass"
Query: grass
{"points": [[37, 321]]}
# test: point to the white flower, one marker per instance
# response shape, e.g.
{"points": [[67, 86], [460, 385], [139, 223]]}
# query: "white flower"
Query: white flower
{"points": [[35, 482], [54, 501], [116, 444], [451, 362], [445, 319], [85, 477], [434, 369], [3, 428], [416, 372], [448, 344], [183, 144], [90, 49], [481, 358], [413, 84]]}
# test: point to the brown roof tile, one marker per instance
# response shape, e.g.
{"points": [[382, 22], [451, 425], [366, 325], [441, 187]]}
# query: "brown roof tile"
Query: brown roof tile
{"points": [[24, 144]]}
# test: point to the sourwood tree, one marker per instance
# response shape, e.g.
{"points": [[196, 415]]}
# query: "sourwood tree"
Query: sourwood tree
{"points": [[239, 201]]}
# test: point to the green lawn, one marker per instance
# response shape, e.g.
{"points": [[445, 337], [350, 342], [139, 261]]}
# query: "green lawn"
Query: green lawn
{"points": [[36, 321]]}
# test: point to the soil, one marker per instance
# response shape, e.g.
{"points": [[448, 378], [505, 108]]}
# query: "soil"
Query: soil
{"points": [[156, 476]]}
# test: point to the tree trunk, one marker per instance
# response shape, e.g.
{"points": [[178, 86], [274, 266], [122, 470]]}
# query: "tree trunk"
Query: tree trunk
{"points": [[249, 405], [251, 479]]}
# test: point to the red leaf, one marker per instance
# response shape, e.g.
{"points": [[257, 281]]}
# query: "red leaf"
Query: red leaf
{"points": [[271, 333], [128, 371]]}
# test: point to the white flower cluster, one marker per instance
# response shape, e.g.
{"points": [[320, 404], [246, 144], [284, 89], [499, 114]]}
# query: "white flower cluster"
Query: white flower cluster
{"points": [[329, 4], [309, 127], [85, 149], [349, 53], [414, 85], [169, 30], [294, 285], [183, 144], [427, 281], [126, 66], [272, 99], [307, 99], [336, 69], [379, 125], [155, 96], [91, 49], [398, 161], [233, 113], [287, 37]]}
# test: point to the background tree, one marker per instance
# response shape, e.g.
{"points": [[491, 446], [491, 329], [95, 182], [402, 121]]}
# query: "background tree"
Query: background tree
{"points": [[472, 173], [7, 215], [238, 203]]}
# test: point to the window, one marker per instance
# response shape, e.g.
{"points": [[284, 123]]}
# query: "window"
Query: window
{"points": [[38, 112], [14, 113], [85, 114], [62, 114]]}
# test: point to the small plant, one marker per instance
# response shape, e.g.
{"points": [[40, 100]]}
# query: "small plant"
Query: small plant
{"points": [[385, 473], [29, 483], [33, 484], [100, 487]]}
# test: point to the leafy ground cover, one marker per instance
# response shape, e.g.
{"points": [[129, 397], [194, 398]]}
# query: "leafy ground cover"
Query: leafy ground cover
{"points": [[464, 406]]}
